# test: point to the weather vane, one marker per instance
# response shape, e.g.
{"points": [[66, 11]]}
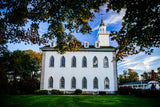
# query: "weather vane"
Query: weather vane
{"points": [[101, 15]]}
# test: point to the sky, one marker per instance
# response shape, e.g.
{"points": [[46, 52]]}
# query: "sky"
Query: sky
{"points": [[140, 62]]}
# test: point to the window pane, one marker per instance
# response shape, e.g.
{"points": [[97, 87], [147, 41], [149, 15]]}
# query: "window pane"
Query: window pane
{"points": [[73, 61], [84, 62], [95, 83], [63, 61], [106, 83], [95, 62], [105, 62], [84, 83], [50, 82], [62, 83], [73, 82], [52, 61]]}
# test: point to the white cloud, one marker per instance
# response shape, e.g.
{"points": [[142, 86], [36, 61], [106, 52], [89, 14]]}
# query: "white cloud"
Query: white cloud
{"points": [[140, 62], [113, 18]]}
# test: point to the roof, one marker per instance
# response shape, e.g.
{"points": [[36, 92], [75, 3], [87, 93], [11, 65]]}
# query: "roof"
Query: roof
{"points": [[90, 48], [102, 23], [136, 83]]}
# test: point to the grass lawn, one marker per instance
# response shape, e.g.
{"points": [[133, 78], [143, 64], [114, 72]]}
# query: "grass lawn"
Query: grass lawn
{"points": [[76, 101]]}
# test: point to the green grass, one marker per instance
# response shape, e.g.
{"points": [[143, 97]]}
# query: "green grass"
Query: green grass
{"points": [[76, 101]]}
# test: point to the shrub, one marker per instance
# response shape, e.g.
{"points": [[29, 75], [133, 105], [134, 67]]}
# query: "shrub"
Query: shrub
{"points": [[41, 92], [57, 92], [102, 93], [125, 90], [78, 91], [146, 93]]}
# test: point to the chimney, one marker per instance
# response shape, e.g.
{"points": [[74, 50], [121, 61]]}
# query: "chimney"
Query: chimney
{"points": [[153, 75]]}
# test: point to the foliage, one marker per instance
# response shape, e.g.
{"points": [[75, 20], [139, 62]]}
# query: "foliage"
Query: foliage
{"points": [[21, 71], [102, 93], [147, 76], [146, 93], [3, 78], [125, 90], [78, 91], [57, 92], [130, 76], [140, 28], [61, 16], [41, 92]]}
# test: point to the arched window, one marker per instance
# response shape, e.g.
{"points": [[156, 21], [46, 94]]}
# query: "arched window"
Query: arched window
{"points": [[84, 62], [95, 62], [52, 61], [95, 83], [50, 84], [84, 83], [73, 82], [62, 83], [105, 62], [73, 61], [106, 83], [63, 61]]}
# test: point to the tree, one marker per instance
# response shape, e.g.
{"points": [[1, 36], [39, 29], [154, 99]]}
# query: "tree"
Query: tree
{"points": [[146, 76], [22, 70], [128, 76], [36, 59], [61, 15], [140, 28]]}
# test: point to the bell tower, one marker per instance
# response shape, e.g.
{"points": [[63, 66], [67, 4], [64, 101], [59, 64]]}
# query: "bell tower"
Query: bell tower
{"points": [[103, 35]]}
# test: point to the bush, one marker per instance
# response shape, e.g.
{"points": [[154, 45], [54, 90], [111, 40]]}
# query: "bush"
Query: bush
{"points": [[41, 92], [146, 93], [78, 91], [125, 90], [57, 92], [102, 93]]}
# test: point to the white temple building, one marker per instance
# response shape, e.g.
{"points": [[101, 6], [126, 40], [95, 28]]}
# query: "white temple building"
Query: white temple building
{"points": [[91, 68]]}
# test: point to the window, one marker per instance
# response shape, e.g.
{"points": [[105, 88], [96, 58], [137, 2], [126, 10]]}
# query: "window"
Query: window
{"points": [[50, 82], [52, 61], [84, 62], [95, 83], [52, 44], [86, 44], [73, 83], [97, 45], [62, 83], [73, 61], [106, 83], [84, 83], [105, 62], [95, 62], [63, 61]]}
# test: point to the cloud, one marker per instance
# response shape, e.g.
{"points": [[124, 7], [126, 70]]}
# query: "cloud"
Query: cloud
{"points": [[113, 18], [140, 62]]}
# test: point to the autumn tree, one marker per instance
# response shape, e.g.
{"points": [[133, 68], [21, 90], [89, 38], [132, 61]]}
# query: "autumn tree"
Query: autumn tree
{"points": [[139, 33], [61, 15], [147, 76], [36, 60], [140, 28], [22, 70], [128, 76]]}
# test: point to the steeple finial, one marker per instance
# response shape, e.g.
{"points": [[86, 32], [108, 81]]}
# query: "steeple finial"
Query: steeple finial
{"points": [[102, 24]]}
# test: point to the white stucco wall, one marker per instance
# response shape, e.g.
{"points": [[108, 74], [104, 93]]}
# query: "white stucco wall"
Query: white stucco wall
{"points": [[78, 72]]}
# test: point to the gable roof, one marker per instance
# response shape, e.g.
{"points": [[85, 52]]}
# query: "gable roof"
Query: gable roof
{"points": [[136, 83], [90, 48]]}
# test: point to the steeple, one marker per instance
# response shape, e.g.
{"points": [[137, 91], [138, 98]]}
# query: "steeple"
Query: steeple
{"points": [[103, 35], [102, 24]]}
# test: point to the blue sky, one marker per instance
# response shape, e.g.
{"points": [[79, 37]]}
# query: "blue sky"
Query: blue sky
{"points": [[112, 20]]}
